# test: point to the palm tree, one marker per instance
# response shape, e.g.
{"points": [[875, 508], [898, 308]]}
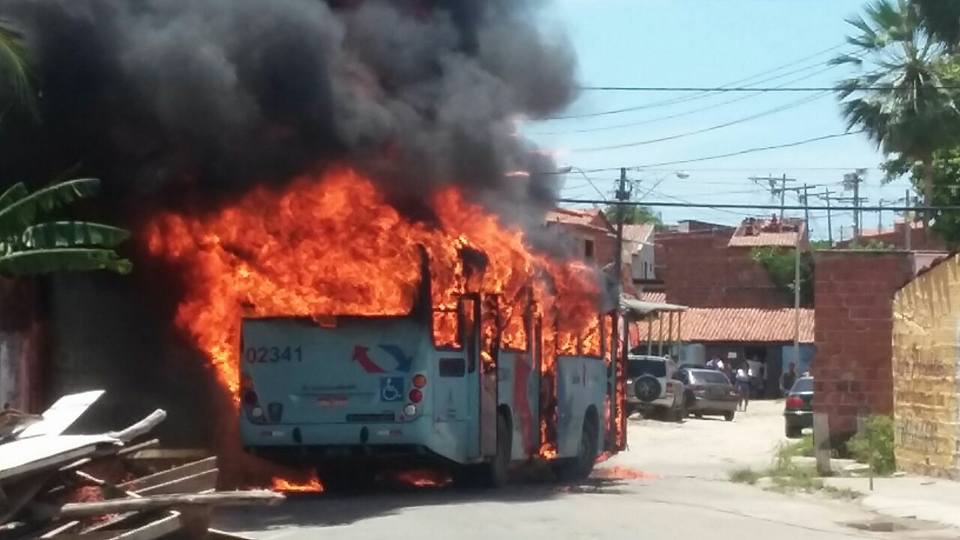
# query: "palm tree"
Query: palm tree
{"points": [[942, 19], [31, 248], [898, 99], [14, 70]]}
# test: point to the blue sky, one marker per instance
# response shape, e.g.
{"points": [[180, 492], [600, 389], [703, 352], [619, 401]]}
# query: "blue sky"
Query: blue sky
{"points": [[710, 43]]}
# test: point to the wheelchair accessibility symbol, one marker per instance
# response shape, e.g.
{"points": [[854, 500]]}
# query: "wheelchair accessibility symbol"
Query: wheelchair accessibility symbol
{"points": [[391, 388]]}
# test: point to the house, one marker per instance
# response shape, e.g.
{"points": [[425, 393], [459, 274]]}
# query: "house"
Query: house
{"points": [[764, 336], [639, 252], [587, 233], [712, 266]]}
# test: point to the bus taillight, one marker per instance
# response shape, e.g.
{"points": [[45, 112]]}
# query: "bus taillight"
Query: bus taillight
{"points": [[416, 396], [419, 380], [250, 398]]}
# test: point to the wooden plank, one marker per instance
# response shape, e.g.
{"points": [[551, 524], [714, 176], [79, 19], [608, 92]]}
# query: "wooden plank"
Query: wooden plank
{"points": [[170, 454], [140, 428], [25, 456], [62, 414], [150, 531], [194, 483], [217, 534], [156, 502], [169, 475]]}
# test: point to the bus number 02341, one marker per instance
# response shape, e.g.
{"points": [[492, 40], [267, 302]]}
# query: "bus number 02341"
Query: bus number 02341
{"points": [[263, 355]]}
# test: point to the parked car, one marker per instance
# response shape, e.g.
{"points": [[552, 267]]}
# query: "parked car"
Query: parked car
{"points": [[653, 388], [798, 409], [709, 392]]}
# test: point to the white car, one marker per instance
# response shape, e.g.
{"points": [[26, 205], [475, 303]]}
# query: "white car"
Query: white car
{"points": [[653, 387]]}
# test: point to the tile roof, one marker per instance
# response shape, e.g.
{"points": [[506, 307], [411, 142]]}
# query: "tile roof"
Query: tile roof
{"points": [[590, 219], [653, 296], [748, 325], [767, 232]]}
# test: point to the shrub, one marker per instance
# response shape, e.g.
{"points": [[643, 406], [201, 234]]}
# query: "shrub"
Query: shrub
{"points": [[874, 445]]}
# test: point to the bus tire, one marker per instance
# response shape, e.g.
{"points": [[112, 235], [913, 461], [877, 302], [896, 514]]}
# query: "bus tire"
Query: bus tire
{"points": [[579, 468], [498, 470]]}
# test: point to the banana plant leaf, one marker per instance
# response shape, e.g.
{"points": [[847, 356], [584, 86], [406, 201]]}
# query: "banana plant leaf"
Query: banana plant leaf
{"points": [[46, 261], [61, 234], [13, 194], [22, 213]]}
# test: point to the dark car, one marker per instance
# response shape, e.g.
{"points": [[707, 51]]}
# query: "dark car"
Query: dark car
{"points": [[709, 392], [798, 410]]}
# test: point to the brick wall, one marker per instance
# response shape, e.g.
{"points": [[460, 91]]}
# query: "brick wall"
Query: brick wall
{"points": [[699, 270], [926, 337], [854, 325]]}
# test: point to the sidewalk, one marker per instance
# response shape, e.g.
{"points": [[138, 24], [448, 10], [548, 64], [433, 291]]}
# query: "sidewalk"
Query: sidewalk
{"points": [[929, 499]]}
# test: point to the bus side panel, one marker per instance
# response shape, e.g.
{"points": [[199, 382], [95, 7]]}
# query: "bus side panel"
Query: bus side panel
{"points": [[581, 382], [518, 388]]}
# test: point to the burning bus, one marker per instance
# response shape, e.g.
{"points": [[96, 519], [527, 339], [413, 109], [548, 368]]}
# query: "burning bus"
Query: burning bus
{"points": [[350, 335], [463, 385]]}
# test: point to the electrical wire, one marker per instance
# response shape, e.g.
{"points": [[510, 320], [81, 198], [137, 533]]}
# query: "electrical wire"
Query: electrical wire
{"points": [[752, 150], [676, 115], [768, 112], [675, 101], [768, 89]]}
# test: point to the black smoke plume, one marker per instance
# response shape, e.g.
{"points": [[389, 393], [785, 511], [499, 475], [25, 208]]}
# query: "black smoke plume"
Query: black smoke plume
{"points": [[158, 97]]}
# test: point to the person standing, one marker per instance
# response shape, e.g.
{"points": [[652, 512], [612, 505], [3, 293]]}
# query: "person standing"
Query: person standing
{"points": [[788, 378], [743, 385]]}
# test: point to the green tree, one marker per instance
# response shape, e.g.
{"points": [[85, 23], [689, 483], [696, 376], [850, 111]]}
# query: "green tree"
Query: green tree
{"points": [[898, 99], [30, 248], [780, 264], [941, 18], [14, 69], [633, 215], [946, 189]]}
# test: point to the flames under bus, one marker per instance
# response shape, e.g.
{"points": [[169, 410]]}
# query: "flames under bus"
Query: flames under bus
{"points": [[351, 394]]}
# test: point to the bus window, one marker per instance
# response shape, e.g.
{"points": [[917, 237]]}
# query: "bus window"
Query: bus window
{"points": [[514, 334], [446, 331], [468, 310], [489, 319], [590, 340]]}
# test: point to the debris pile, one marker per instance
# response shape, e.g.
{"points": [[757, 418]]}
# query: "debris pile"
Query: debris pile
{"points": [[104, 486]]}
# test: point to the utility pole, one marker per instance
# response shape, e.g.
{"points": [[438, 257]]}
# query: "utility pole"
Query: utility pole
{"points": [[907, 226], [772, 182], [796, 299], [806, 211], [619, 357], [826, 197], [856, 213]]}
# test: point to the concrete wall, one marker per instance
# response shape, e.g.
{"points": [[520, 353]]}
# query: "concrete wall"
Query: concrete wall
{"points": [[115, 333], [20, 341], [854, 331], [926, 337]]}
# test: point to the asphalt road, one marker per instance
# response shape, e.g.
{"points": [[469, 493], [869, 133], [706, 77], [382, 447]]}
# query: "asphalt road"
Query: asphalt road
{"points": [[671, 483]]}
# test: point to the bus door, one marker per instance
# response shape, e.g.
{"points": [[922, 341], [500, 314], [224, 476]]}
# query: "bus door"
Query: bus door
{"points": [[487, 387], [470, 389]]}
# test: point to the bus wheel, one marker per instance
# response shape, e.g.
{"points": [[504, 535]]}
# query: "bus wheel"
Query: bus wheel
{"points": [[498, 470], [579, 467]]}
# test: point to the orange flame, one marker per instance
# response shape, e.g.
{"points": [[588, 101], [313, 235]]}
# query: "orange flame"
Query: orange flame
{"points": [[331, 245], [311, 485], [426, 478]]}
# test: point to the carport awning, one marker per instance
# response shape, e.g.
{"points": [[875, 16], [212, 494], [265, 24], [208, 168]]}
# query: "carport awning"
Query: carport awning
{"points": [[640, 308]]}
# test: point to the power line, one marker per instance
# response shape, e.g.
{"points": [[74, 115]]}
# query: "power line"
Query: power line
{"points": [[675, 101], [719, 206], [768, 112], [723, 89], [680, 114]]}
